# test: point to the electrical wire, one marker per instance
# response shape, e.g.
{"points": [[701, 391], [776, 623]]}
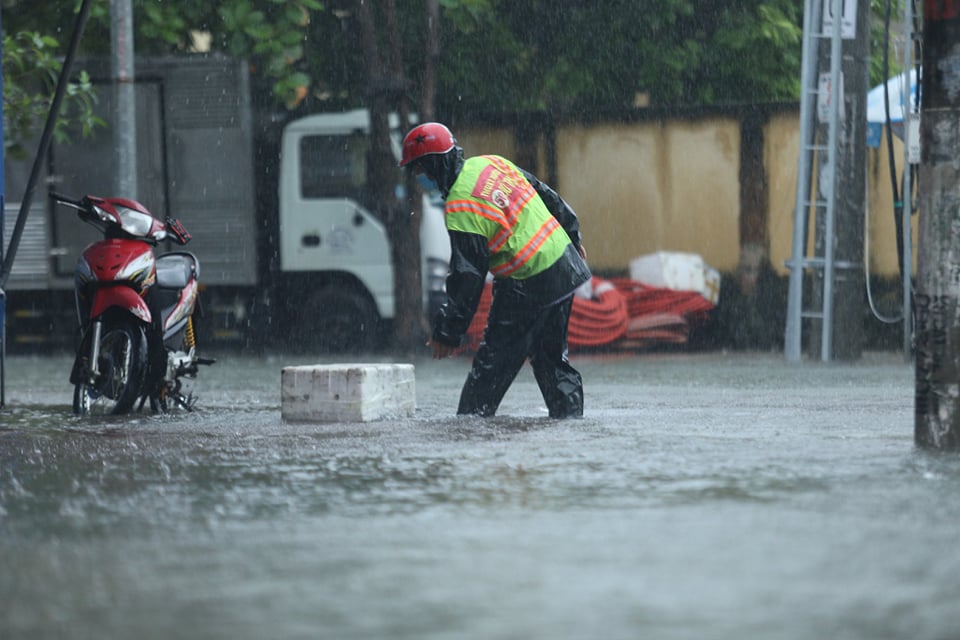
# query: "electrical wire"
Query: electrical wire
{"points": [[891, 160], [866, 268]]}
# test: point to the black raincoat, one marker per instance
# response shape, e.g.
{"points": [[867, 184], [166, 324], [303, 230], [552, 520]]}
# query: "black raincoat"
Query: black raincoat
{"points": [[528, 319]]}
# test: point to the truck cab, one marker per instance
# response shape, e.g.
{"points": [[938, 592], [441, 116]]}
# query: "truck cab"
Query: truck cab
{"points": [[335, 254]]}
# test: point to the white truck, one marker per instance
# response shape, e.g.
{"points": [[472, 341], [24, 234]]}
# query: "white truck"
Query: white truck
{"points": [[282, 223], [335, 256]]}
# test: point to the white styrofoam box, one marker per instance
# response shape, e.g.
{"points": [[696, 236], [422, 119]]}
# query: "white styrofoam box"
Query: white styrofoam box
{"points": [[347, 392], [678, 271]]}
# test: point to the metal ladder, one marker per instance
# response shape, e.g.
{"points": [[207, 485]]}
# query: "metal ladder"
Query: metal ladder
{"points": [[823, 188]]}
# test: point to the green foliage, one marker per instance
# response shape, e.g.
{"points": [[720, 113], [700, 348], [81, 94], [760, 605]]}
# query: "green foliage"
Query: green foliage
{"points": [[30, 73], [466, 16], [496, 55], [162, 23], [756, 54], [268, 33], [584, 55], [891, 43]]}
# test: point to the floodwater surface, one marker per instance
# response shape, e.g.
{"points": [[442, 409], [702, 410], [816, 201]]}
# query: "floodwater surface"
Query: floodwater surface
{"points": [[701, 496]]}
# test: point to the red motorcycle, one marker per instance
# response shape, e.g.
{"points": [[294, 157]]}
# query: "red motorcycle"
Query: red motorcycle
{"points": [[136, 312]]}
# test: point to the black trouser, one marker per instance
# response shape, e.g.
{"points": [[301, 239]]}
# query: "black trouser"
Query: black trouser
{"points": [[516, 331]]}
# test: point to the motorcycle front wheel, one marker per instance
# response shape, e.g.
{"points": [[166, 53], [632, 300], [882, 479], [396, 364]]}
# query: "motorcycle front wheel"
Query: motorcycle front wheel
{"points": [[121, 365]]}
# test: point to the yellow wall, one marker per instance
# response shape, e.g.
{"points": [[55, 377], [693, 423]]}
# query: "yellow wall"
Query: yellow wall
{"points": [[672, 185], [781, 152], [883, 241], [477, 142], [782, 139], [652, 187]]}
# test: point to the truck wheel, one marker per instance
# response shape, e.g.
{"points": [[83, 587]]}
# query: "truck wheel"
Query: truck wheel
{"points": [[340, 320]]}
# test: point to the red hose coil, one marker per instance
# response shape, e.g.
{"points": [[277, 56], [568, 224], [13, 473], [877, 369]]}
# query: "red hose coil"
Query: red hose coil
{"points": [[620, 314]]}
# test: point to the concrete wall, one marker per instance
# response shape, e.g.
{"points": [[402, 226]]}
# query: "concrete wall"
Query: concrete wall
{"points": [[663, 186], [671, 183]]}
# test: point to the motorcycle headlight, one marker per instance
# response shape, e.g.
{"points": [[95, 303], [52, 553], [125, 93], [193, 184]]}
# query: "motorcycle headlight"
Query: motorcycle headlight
{"points": [[137, 224]]}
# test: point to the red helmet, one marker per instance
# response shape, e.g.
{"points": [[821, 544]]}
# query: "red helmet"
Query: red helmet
{"points": [[425, 139]]}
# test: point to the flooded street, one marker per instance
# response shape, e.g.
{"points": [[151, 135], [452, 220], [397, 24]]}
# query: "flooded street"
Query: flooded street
{"points": [[702, 496]]}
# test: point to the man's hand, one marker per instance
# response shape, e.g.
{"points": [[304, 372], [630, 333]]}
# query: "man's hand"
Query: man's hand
{"points": [[582, 250], [440, 350]]}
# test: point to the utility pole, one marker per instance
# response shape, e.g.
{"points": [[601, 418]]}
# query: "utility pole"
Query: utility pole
{"points": [[849, 288], [937, 299], [124, 99], [832, 141], [850, 199], [3, 295]]}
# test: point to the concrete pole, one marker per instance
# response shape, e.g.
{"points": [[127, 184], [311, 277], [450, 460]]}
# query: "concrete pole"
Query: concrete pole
{"points": [[937, 408], [125, 99], [910, 140], [847, 287], [3, 295]]}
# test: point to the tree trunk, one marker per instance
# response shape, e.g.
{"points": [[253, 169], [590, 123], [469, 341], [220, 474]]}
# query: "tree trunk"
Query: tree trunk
{"points": [[385, 94], [754, 198], [404, 226], [428, 82]]}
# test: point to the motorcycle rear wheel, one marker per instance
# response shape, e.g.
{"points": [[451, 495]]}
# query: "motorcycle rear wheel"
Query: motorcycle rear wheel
{"points": [[122, 366]]}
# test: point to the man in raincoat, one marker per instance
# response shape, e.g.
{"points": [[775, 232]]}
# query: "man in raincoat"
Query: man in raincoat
{"points": [[503, 220]]}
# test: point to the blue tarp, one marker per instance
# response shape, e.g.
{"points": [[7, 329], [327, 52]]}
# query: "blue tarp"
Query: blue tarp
{"points": [[876, 112]]}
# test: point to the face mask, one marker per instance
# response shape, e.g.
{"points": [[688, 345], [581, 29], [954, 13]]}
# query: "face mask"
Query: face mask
{"points": [[427, 183]]}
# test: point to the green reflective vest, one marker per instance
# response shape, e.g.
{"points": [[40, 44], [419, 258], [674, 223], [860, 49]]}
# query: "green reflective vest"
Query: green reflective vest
{"points": [[491, 198]]}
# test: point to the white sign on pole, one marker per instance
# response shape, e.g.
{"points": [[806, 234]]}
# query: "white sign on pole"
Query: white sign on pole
{"points": [[825, 95], [912, 138], [848, 21]]}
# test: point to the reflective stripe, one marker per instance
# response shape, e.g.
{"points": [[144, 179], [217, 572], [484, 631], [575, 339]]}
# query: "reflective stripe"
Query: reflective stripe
{"points": [[492, 198], [528, 250], [496, 242], [482, 209]]}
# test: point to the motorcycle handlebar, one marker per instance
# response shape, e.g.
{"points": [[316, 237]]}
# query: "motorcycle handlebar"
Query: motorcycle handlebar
{"points": [[174, 227], [178, 231], [62, 199]]}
